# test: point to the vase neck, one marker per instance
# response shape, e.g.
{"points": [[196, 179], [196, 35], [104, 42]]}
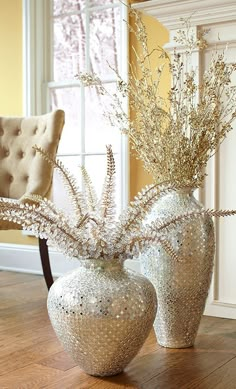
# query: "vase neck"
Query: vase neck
{"points": [[100, 264], [185, 191], [188, 190]]}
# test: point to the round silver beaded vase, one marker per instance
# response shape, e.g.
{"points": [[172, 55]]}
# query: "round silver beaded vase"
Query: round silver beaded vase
{"points": [[182, 285], [102, 313]]}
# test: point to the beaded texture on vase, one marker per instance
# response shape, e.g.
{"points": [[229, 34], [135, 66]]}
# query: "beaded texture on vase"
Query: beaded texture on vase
{"points": [[182, 286], [102, 313]]}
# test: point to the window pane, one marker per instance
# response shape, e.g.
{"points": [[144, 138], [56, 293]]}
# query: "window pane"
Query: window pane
{"points": [[69, 46], [60, 196], [104, 40], [68, 99], [98, 131], [95, 3], [65, 6]]}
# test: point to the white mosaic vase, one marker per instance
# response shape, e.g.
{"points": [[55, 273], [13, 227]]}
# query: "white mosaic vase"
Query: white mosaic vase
{"points": [[102, 313], [182, 286]]}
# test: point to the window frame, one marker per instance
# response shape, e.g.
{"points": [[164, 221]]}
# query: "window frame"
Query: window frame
{"points": [[37, 74]]}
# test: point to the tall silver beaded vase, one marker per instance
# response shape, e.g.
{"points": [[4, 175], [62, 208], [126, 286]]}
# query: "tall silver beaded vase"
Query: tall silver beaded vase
{"points": [[102, 313], [182, 286]]}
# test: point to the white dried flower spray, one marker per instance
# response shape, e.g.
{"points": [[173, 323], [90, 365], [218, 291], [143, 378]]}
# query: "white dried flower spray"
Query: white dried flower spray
{"points": [[176, 136], [94, 232]]}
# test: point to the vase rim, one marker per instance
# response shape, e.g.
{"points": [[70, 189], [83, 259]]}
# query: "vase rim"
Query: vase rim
{"points": [[184, 189], [101, 263]]}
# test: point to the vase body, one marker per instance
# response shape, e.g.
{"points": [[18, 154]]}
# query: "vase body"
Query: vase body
{"points": [[182, 286], [102, 313]]}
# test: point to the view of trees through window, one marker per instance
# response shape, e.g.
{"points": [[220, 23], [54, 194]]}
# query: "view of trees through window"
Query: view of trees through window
{"points": [[87, 36]]}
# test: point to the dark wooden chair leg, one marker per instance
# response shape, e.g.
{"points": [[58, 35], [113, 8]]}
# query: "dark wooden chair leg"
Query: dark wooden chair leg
{"points": [[43, 250]]}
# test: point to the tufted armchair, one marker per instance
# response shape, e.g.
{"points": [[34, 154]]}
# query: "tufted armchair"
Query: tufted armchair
{"points": [[22, 170]]}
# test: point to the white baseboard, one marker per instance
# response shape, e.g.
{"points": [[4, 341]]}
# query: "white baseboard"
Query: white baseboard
{"points": [[26, 259], [224, 310]]}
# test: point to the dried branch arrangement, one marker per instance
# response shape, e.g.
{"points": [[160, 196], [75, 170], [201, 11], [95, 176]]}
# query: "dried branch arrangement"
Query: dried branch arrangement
{"points": [[93, 232], [176, 136]]}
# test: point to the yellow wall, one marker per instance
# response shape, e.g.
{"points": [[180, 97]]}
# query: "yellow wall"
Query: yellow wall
{"points": [[157, 36], [11, 79], [11, 57]]}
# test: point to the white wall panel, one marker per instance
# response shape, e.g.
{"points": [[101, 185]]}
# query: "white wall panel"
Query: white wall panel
{"points": [[220, 185]]}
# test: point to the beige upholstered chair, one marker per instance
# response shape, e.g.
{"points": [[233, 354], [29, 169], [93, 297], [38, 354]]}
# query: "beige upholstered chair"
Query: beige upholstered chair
{"points": [[22, 170]]}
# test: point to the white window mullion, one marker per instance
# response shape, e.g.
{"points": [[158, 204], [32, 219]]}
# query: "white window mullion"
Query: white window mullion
{"points": [[36, 61], [29, 57], [87, 69], [87, 32], [82, 126], [124, 149]]}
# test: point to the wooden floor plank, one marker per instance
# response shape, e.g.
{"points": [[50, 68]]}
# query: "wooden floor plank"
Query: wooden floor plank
{"points": [[30, 377], [13, 343], [8, 278], [60, 361], [222, 378], [28, 355], [187, 372], [10, 295], [73, 378], [17, 322], [32, 357]]}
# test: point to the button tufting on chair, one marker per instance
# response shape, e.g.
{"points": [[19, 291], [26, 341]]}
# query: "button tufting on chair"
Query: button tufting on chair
{"points": [[21, 154], [22, 172]]}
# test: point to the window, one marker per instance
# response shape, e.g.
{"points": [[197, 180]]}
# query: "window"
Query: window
{"points": [[64, 37]]}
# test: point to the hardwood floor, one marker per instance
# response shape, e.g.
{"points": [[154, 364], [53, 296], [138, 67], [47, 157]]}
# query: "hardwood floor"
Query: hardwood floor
{"points": [[31, 356]]}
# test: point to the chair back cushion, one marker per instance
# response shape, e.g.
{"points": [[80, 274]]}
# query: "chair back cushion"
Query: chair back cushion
{"points": [[22, 169]]}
